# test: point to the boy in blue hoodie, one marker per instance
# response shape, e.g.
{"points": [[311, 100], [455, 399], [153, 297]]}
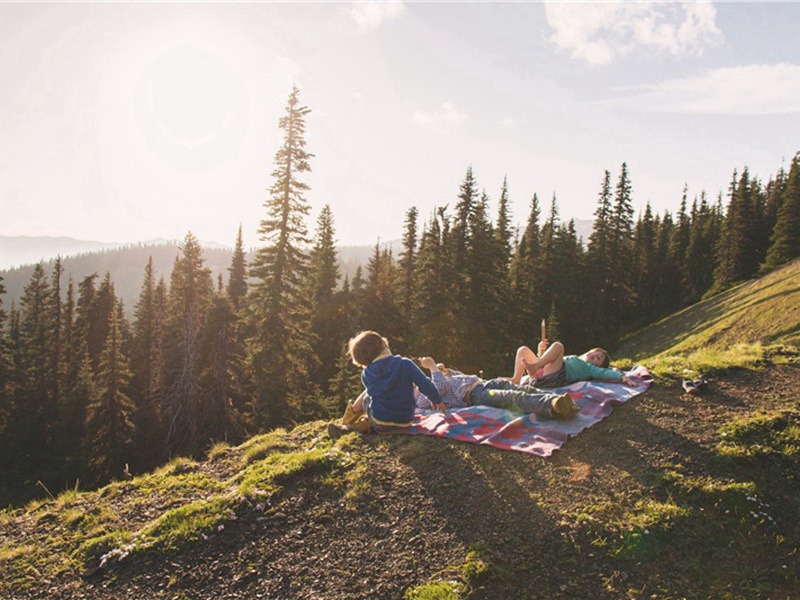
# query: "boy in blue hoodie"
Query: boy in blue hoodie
{"points": [[389, 380]]}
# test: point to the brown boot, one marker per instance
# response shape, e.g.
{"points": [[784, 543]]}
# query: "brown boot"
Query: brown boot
{"points": [[563, 407], [355, 421]]}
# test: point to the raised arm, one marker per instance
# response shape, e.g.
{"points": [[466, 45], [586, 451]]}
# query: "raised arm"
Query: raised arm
{"points": [[425, 386]]}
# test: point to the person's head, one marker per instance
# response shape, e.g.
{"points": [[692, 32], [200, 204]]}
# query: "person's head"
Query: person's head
{"points": [[366, 347], [598, 357]]}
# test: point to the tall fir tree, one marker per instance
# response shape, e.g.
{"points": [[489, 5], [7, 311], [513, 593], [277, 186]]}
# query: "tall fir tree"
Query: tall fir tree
{"points": [[599, 260], [529, 257], [146, 370], [408, 263], [433, 322], [188, 299], [237, 281], [481, 318], [279, 352], [219, 420], [31, 422], [740, 250], [5, 381], [785, 240], [328, 321], [109, 430]]}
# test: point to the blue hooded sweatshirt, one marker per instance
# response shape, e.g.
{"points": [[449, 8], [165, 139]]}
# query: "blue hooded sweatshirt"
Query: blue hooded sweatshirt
{"points": [[390, 385]]}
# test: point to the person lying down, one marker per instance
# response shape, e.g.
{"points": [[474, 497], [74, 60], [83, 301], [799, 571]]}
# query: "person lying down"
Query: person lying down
{"points": [[459, 390]]}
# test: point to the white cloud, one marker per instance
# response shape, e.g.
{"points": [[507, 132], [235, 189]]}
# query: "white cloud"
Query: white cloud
{"points": [[370, 15], [745, 90], [599, 32], [507, 122], [437, 121]]}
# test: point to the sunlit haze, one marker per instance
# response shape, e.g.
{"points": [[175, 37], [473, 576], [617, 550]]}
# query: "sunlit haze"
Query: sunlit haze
{"points": [[128, 122]]}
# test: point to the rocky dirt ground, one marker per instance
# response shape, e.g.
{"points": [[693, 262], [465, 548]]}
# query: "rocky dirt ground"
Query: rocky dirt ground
{"points": [[429, 501]]}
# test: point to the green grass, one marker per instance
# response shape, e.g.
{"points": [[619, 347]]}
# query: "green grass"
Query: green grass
{"points": [[455, 582], [733, 328], [775, 433], [95, 526]]}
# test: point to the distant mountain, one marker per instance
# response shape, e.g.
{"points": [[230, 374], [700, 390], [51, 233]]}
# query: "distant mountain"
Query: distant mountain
{"points": [[126, 265], [16, 251]]}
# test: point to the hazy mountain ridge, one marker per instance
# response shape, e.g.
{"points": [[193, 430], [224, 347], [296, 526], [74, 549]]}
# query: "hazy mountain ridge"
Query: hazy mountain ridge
{"points": [[126, 262], [126, 266]]}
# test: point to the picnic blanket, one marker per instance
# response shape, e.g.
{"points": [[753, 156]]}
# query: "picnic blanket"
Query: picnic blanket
{"points": [[527, 433]]}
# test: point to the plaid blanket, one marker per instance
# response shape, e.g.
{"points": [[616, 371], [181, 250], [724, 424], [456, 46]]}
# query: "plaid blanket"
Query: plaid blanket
{"points": [[526, 433]]}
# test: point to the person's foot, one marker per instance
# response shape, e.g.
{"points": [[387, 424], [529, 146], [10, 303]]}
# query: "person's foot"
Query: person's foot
{"points": [[336, 431], [527, 366], [563, 407]]}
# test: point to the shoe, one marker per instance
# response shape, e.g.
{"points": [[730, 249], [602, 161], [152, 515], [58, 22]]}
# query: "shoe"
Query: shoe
{"points": [[563, 407], [336, 431], [690, 387], [701, 384]]}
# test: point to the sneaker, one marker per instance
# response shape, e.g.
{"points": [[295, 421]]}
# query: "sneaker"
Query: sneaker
{"points": [[690, 387], [701, 384], [336, 431], [563, 407]]}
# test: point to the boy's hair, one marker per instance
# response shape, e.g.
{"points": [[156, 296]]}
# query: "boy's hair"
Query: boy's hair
{"points": [[606, 357], [365, 347]]}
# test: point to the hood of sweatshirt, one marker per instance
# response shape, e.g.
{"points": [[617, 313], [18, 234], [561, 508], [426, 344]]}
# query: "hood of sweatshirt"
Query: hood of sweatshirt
{"points": [[383, 374]]}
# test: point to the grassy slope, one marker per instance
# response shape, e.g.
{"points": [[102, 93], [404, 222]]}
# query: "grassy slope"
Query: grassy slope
{"points": [[670, 497], [762, 312]]}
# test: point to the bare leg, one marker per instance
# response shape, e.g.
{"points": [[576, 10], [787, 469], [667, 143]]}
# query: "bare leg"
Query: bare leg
{"points": [[551, 361], [524, 356], [358, 405]]}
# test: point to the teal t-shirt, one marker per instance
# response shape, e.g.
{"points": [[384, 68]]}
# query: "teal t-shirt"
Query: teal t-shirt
{"points": [[578, 369]]}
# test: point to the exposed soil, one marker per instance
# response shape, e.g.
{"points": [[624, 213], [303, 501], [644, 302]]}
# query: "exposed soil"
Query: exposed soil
{"points": [[430, 500]]}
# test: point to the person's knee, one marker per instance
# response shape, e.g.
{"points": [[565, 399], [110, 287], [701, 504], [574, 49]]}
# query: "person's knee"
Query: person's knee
{"points": [[558, 348]]}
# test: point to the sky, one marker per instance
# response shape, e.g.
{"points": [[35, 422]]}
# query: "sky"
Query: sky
{"points": [[123, 122]]}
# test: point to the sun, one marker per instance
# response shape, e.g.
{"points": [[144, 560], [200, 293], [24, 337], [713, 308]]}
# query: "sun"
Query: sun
{"points": [[191, 105]]}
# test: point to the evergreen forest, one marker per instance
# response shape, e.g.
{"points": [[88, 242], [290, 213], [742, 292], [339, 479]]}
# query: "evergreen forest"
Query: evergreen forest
{"points": [[88, 395]]}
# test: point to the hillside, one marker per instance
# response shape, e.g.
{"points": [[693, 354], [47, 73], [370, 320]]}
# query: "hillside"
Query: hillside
{"points": [[671, 496], [740, 321]]}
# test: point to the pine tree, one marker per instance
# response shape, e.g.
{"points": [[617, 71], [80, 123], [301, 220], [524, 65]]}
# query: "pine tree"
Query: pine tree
{"points": [[32, 421], [328, 322], [218, 419], [742, 245], [5, 380], [71, 412], [279, 347], [502, 229], [237, 282], [109, 430], [146, 371], [703, 236], [785, 241], [646, 269], [82, 394], [481, 317], [465, 207], [189, 295], [622, 295], [408, 262], [600, 260], [433, 324]]}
